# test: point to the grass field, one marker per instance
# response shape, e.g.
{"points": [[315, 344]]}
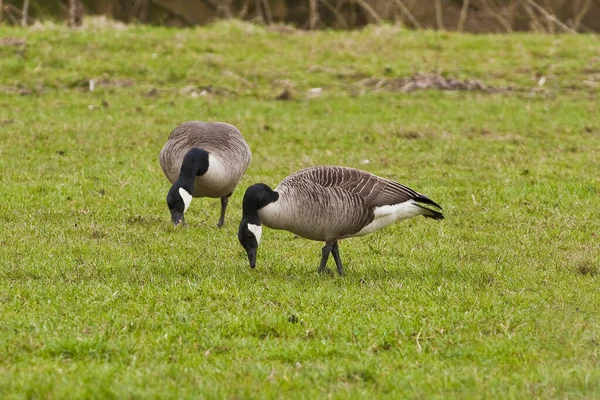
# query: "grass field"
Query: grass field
{"points": [[100, 297]]}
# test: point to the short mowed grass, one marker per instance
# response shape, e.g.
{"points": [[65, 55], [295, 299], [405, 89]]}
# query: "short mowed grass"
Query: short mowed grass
{"points": [[100, 297]]}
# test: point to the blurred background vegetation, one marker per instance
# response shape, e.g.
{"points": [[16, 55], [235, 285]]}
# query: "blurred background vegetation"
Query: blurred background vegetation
{"points": [[477, 16]]}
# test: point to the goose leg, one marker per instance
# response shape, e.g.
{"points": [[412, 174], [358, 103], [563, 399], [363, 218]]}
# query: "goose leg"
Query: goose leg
{"points": [[324, 256], [224, 201], [336, 256]]}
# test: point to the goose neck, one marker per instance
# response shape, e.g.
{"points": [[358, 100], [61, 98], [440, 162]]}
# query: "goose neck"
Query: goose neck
{"points": [[250, 211], [195, 163], [256, 197]]}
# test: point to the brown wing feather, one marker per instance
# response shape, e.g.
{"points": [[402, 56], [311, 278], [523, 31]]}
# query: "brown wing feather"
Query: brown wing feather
{"points": [[218, 138], [375, 191], [212, 136]]}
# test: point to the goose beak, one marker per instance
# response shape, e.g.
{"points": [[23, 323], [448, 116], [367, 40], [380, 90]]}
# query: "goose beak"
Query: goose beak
{"points": [[177, 218], [251, 257]]}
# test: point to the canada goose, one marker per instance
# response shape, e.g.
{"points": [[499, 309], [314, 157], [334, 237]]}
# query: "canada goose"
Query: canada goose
{"points": [[203, 159], [328, 203]]}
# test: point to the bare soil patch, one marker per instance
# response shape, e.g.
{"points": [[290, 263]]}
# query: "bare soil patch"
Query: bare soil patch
{"points": [[423, 82]]}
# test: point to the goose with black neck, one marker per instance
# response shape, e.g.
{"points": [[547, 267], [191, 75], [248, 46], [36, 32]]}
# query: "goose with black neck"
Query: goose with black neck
{"points": [[329, 203], [203, 159]]}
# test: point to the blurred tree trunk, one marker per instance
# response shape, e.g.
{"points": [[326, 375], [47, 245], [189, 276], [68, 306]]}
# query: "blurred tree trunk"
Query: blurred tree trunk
{"points": [[314, 16], [463, 15], [25, 13], [75, 13]]}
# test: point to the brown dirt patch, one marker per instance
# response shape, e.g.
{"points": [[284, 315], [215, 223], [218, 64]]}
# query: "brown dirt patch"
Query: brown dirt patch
{"points": [[424, 82], [13, 41]]}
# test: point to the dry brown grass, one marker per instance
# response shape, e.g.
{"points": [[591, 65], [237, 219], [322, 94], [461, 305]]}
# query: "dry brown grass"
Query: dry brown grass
{"points": [[422, 82], [479, 16]]}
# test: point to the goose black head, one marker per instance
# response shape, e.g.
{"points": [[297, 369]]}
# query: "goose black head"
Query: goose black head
{"points": [[250, 231], [249, 236], [178, 201]]}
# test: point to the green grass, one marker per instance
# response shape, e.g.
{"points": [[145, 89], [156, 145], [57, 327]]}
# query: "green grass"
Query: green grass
{"points": [[100, 297]]}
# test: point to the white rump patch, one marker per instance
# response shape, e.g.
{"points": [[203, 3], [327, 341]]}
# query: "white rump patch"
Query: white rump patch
{"points": [[187, 198], [257, 230], [405, 210], [387, 215]]}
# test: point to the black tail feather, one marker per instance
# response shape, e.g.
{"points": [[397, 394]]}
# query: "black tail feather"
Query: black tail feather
{"points": [[429, 213], [426, 200]]}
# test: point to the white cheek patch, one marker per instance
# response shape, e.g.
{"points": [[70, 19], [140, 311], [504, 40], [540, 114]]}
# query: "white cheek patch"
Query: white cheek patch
{"points": [[187, 198], [257, 230]]}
